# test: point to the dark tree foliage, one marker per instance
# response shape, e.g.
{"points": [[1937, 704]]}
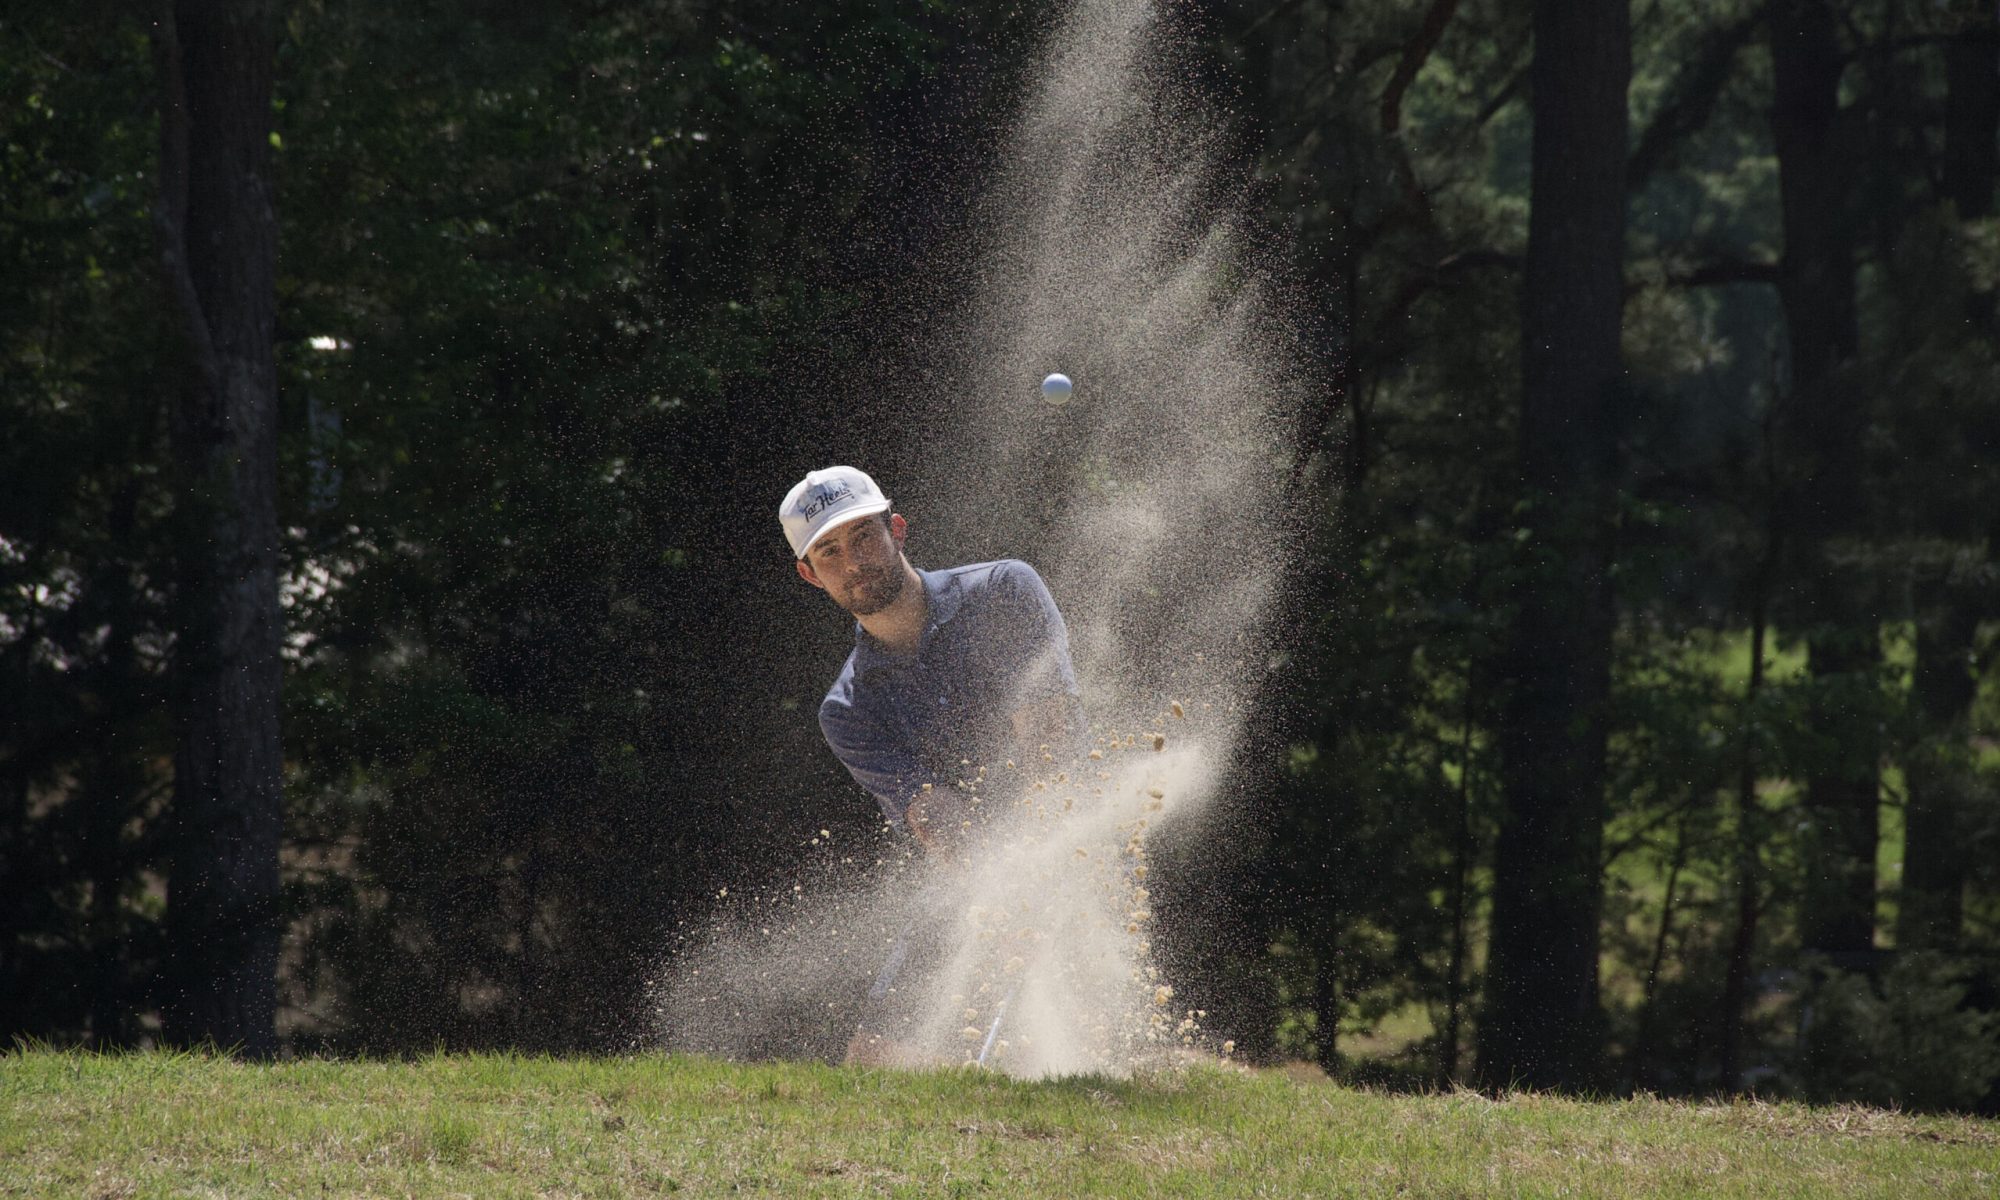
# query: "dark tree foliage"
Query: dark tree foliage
{"points": [[86, 554], [1415, 240], [576, 294], [566, 296]]}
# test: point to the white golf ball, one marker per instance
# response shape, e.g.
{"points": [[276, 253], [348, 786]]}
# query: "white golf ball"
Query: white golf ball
{"points": [[1056, 389]]}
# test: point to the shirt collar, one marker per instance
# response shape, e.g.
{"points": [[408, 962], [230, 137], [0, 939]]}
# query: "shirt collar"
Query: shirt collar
{"points": [[942, 596]]}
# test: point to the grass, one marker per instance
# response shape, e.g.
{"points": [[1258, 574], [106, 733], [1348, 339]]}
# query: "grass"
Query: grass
{"points": [[144, 1125]]}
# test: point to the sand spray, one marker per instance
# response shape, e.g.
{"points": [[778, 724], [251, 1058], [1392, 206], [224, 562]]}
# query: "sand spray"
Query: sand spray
{"points": [[1163, 505]]}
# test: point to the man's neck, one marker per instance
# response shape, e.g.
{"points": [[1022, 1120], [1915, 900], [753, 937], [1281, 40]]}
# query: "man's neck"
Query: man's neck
{"points": [[900, 626]]}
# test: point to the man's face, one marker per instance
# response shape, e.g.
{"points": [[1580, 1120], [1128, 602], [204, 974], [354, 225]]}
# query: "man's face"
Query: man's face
{"points": [[859, 564]]}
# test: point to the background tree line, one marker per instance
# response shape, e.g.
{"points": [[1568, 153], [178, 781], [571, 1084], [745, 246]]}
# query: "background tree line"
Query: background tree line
{"points": [[1639, 731]]}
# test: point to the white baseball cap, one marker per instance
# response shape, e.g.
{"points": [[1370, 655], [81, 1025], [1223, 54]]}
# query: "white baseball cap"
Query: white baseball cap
{"points": [[824, 499]]}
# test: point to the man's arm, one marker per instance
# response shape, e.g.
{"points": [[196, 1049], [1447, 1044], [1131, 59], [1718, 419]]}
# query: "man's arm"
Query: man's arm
{"points": [[879, 763], [1052, 721], [910, 795], [1047, 711], [937, 819]]}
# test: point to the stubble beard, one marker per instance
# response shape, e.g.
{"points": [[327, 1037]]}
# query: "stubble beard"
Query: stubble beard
{"points": [[876, 589]]}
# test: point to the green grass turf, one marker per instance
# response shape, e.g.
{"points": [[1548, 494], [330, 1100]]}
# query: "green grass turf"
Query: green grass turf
{"points": [[491, 1126]]}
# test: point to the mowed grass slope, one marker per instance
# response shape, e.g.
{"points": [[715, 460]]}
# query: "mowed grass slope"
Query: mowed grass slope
{"points": [[490, 1126]]}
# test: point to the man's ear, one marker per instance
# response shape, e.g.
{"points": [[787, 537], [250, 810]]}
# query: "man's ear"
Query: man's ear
{"points": [[806, 573], [898, 529]]}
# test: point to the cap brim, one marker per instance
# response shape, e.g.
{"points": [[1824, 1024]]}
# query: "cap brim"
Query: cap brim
{"points": [[868, 509]]}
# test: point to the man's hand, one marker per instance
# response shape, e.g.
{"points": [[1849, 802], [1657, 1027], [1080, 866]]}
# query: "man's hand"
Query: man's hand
{"points": [[938, 820], [1044, 722]]}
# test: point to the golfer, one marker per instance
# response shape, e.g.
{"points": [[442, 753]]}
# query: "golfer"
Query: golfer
{"points": [[953, 672]]}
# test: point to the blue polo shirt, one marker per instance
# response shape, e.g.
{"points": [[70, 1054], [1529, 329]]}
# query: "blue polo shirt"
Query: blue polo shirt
{"points": [[992, 642]]}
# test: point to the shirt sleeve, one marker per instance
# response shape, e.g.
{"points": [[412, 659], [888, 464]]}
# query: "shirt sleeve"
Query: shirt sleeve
{"points": [[1038, 639], [878, 762]]}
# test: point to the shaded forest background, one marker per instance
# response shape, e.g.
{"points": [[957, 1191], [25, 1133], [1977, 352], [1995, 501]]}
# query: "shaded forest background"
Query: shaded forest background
{"points": [[564, 298]]}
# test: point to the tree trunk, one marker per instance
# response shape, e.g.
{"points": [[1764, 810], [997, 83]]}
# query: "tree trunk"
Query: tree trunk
{"points": [[219, 247], [1749, 845], [1949, 611], [1816, 286], [1461, 871], [1972, 117], [1934, 864], [1649, 1005], [1326, 1007], [112, 784], [1541, 1025]]}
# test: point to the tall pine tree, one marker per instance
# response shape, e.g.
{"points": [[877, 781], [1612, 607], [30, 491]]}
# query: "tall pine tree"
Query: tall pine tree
{"points": [[1541, 1024], [219, 238]]}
